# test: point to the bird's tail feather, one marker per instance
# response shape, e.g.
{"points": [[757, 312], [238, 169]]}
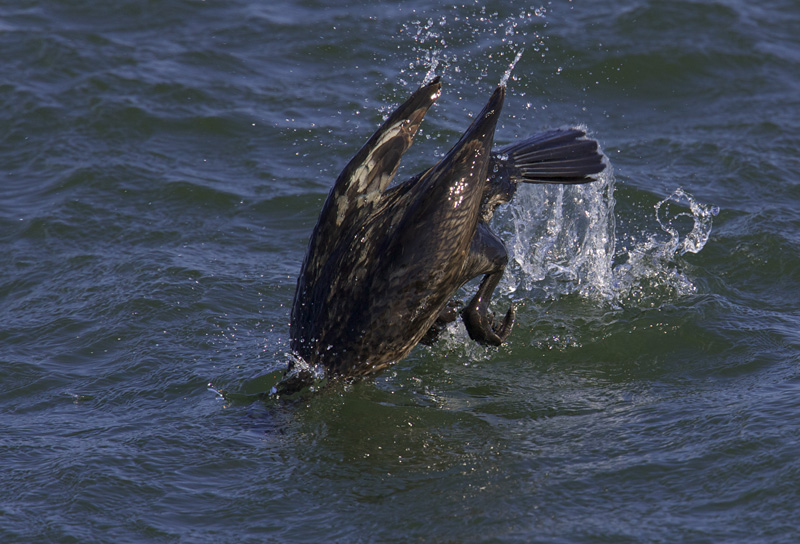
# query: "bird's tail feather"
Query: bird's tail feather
{"points": [[556, 156]]}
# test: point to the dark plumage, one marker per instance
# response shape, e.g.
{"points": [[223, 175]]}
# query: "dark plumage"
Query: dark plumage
{"points": [[383, 263]]}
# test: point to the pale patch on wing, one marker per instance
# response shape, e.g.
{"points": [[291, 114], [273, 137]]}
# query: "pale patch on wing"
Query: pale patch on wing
{"points": [[363, 177], [359, 188], [344, 206]]}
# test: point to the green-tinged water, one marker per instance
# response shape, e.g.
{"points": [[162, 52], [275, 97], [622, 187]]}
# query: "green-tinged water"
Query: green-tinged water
{"points": [[162, 165]]}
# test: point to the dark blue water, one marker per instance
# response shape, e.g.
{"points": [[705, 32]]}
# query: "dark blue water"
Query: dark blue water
{"points": [[163, 164]]}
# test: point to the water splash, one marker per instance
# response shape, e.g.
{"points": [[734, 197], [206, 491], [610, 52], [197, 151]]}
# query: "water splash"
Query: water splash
{"points": [[432, 71], [458, 40], [700, 215], [299, 376], [651, 269], [563, 242], [507, 74], [561, 239]]}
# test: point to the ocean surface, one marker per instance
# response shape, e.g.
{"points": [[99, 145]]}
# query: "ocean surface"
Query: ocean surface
{"points": [[162, 164]]}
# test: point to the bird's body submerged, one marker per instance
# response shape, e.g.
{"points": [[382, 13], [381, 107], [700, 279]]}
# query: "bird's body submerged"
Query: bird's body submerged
{"points": [[383, 263]]}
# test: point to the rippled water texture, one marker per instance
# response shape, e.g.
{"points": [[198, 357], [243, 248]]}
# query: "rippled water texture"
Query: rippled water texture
{"points": [[163, 164]]}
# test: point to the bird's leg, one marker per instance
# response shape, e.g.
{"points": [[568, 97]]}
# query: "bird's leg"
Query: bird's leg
{"points": [[480, 321], [488, 256]]}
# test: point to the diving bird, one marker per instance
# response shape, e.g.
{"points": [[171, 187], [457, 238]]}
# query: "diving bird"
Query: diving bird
{"points": [[383, 263]]}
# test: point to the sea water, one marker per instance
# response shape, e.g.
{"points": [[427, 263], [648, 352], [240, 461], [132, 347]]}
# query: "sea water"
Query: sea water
{"points": [[163, 164]]}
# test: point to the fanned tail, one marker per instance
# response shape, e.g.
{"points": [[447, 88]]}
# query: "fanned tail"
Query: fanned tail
{"points": [[554, 156]]}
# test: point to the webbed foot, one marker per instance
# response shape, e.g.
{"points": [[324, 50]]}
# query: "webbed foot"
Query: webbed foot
{"points": [[487, 256], [480, 325]]}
